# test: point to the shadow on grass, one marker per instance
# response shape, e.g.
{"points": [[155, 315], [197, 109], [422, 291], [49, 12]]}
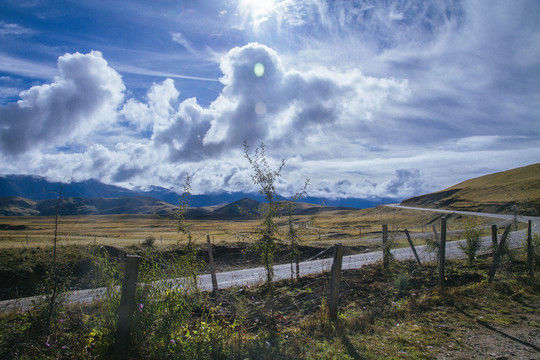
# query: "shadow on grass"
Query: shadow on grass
{"points": [[351, 350], [489, 327]]}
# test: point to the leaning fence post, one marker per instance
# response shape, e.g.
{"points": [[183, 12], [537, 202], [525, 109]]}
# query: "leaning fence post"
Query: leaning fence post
{"points": [[212, 265], [442, 253], [530, 250], [494, 236], [498, 253], [335, 280], [385, 246], [412, 247], [127, 305]]}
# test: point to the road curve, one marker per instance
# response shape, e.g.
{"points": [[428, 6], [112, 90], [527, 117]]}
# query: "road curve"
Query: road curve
{"points": [[255, 276]]}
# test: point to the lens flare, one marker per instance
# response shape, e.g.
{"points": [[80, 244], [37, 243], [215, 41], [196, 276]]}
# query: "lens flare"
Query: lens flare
{"points": [[260, 109], [258, 69]]}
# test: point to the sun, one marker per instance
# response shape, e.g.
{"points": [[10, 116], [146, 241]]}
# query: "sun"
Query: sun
{"points": [[258, 8]]}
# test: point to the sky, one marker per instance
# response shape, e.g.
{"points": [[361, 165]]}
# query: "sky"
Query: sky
{"points": [[365, 98]]}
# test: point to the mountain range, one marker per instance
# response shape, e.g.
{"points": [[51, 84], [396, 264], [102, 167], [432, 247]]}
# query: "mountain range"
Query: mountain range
{"points": [[512, 191], [35, 188], [34, 195]]}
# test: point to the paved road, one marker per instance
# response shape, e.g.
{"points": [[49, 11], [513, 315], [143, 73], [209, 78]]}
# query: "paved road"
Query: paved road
{"points": [[254, 276]]}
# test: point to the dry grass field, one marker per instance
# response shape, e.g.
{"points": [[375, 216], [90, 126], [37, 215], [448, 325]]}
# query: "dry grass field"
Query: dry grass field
{"points": [[353, 227], [512, 191]]}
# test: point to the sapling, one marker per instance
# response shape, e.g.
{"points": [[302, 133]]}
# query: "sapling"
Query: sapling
{"points": [[265, 178], [473, 240], [293, 232]]}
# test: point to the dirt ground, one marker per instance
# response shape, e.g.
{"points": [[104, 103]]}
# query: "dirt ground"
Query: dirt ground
{"points": [[518, 340]]}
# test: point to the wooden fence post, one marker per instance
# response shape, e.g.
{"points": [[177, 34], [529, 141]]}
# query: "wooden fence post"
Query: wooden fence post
{"points": [[335, 282], [498, 254], [530, 251], [127, 305], [412, 247], [212, 266], [385, 246], [494, 236], [442, 253]]}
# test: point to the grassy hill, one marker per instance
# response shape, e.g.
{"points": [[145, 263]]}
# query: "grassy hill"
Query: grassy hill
{"points": [[17, 206], [516, 190]]}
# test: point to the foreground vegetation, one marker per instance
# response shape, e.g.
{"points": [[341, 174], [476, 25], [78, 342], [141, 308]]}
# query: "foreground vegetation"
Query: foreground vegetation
{"points": [[394, 313], [25, 242]]}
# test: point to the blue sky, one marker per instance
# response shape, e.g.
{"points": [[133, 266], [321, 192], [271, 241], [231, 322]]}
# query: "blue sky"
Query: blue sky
{"points": [[364, 98]]}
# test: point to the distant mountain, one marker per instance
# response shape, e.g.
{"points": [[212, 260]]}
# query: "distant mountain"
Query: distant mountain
{"points": [[223, 198], [17, 206], [516, 190], [76, 206], [245, 208], [38, 188]]}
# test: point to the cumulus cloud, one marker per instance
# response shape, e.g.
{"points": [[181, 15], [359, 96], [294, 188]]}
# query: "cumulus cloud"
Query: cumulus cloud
{"points": [[161, 99], [161, 137], [263, 101], [84, 95]]}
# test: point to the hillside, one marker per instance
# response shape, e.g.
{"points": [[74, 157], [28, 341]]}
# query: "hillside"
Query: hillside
{"points": [[17, 206], [245, 208], [503, 192]]}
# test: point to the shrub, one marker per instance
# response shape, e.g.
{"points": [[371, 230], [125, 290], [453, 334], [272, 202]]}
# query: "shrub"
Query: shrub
{"points": [[432, 246], [149, 241], [473, 240], [402, 282]]}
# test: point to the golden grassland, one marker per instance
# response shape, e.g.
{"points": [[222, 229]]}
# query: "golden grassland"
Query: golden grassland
{"points": [[513, 191], [521, 185], [352, 227]]}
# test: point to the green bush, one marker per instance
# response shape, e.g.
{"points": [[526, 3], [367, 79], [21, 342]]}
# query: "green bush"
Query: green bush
{"points": [[473, 240], [402, 282], [149, 241]]}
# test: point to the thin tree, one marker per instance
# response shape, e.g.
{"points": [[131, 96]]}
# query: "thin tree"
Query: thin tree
{"points": [[293, 232], [265, 178], [54, 298], [179, 215], [182, 226]]}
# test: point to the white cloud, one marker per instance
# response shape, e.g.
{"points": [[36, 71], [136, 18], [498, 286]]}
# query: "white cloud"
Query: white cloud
{"points": [[12, 65], [9, 29], [84, 96], [286, 108], [390, 99], [161, 99], [181, 39]]}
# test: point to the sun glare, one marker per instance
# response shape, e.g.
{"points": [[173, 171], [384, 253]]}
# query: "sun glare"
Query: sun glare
{"points": [[258, 8]]}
